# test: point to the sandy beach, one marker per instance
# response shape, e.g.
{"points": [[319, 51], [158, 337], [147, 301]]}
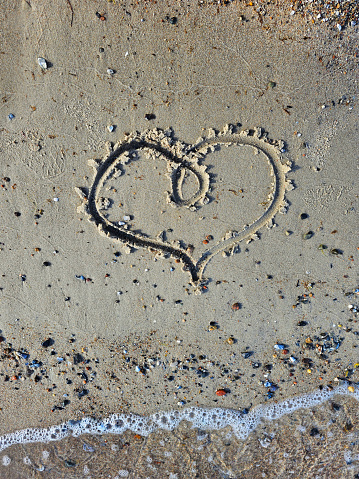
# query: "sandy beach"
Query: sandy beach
{"points": [[213, 147]]}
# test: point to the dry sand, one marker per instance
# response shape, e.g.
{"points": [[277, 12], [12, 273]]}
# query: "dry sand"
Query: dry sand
{"points": [[128, 332]]}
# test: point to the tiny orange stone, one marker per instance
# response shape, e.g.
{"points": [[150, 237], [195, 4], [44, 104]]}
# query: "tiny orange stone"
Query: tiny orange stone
{"points": [[205, 241], [236, 306], [221, 392]]}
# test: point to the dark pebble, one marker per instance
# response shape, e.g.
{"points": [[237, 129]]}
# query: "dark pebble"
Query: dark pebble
{"points": [[48, 342], [150, 116], [308, 235], [302, 323], [78, 358], [304, 216], [82, 393], [172, 20]]}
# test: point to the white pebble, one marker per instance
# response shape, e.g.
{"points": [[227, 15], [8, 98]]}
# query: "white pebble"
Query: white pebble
{"points": [[42, 62]]}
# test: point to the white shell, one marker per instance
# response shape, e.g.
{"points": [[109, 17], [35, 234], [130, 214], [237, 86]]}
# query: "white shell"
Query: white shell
{"points": [[42, 62]]}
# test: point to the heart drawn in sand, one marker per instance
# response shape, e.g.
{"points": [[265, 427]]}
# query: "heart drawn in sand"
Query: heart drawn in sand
{"points": [[183, 160]]}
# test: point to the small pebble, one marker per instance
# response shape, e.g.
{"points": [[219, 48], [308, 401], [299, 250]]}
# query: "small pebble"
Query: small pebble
{"points": [[11, 116], [43, 63], [246, 354], [236, 306], [221, 392], [308, 235], [48, 342], [111, 128]]}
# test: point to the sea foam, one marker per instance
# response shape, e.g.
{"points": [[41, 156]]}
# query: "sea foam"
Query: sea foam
{"points": [[203, 418]]}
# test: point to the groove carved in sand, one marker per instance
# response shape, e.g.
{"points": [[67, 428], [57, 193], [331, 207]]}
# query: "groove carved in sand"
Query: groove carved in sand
{"points": [[181, 158]]}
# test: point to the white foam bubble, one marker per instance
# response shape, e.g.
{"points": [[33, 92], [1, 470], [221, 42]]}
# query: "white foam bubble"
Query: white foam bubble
{"points": [[207, 419], [6, 460]]}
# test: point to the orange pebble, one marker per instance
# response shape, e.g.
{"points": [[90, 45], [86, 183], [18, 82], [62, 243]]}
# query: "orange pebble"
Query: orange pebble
{"points": [[221, 392]]}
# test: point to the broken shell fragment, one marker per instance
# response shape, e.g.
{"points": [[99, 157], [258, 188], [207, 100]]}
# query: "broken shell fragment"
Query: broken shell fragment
{"points": [[308, 235], [336, 251]]}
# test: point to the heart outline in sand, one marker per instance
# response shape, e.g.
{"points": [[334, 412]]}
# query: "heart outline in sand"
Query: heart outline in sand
{"points": [[181, 157]]}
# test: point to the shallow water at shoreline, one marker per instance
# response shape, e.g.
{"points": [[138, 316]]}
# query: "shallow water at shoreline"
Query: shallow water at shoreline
{"points": [[318, 442]]}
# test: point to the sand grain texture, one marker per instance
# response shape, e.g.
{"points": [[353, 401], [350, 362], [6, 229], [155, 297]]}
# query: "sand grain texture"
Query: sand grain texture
{"points": [[130, 333]]}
